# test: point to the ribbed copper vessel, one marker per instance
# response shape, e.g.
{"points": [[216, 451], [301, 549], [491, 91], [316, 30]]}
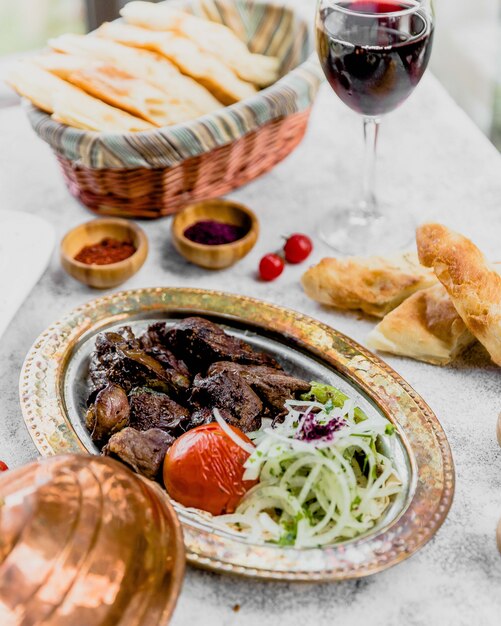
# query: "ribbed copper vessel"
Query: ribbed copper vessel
{"points": [[84, 541]]}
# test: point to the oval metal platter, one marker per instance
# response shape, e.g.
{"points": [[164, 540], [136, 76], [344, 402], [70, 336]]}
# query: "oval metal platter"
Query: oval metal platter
{"points": [[53, 392]]}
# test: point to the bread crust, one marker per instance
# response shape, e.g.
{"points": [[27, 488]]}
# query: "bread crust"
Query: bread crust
{"points": [[119, 89], [425, 327], [143, 64], [211, 37], [375, 285], [472, 283], [205, 68], [69, 104]]}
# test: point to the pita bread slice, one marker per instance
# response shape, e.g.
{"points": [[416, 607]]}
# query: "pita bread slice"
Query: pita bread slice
{"points": [[142, 64], [119, 89], [472, 283], [205, 68], [211, 37], [69, 104], [426, 327], [375, 285]]}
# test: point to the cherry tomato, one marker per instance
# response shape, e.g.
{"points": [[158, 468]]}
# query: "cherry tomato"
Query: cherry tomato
{"points": [[271, 266], [204, 469], [297, 248], [3, 467]]}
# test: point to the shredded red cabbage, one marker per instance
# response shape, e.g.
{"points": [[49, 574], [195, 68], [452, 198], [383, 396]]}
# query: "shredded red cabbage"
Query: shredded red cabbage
{"points": [[312, 430]]}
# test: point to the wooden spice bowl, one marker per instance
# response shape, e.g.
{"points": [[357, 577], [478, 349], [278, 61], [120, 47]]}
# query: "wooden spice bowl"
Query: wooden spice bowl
{"points": [[215, 257], [93, 232]]}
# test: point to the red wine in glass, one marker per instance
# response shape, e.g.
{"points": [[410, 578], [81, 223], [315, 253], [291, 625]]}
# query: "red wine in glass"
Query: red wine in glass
{"points": [[373, 56], [373, 53]]}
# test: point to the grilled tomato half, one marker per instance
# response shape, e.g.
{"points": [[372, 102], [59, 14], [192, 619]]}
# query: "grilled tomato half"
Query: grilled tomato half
{"points": [[204, 469]]}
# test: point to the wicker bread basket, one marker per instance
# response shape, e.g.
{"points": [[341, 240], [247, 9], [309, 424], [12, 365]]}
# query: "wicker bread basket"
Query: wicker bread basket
{"points": [[155, 173]]}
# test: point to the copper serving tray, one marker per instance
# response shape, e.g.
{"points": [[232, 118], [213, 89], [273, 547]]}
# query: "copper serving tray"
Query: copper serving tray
{"points": [[53, 393]]}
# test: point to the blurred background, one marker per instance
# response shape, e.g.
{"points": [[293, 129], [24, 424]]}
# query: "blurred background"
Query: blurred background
{"points": [[466, 56]]}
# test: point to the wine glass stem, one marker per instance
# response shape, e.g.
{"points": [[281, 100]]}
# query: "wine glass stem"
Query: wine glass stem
{"points": [[368, 204]]}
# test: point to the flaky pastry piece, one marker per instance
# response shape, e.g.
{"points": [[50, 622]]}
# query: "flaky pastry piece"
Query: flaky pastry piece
{"points": [[375, 285], [426, 327], [119, 89], [205, 68], [472, 283], [142, 64], [67, 103], [210, 36]]}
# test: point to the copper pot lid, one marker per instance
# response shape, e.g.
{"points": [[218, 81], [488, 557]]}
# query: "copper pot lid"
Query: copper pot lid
{"points": [[83, 540]]}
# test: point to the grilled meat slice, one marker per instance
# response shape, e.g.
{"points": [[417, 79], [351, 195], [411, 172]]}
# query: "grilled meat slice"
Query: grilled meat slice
{"points": [[109, 413], [271, 385], [121, 361], [154, 342], [105, 354], [206, 416], [107, 341], [144, 452], [179, 374], [230, 392], [133, 368], [128, 336], [98, 375], [200, 342], [150, 409]]}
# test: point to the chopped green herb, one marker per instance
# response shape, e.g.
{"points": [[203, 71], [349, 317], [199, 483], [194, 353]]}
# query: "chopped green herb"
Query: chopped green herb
{"points": [[323, 393], [287, 539], [390, 429], [308, 514], [355, 502]]}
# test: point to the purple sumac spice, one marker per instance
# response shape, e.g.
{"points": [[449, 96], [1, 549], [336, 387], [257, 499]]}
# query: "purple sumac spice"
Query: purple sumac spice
{"points": [[213, 233]]}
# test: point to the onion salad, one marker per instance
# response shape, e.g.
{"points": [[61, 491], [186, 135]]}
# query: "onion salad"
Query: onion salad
{"points": [[323, 474]]}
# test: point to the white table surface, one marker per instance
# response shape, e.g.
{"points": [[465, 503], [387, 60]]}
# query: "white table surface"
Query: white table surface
{"points": [[437, 165]]}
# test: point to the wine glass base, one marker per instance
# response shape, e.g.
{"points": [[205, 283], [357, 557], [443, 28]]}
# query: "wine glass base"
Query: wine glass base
{"points": [[354, 233]]}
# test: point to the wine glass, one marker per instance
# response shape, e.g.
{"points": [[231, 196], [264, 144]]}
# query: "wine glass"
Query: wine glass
{"points": [[373, 53]]}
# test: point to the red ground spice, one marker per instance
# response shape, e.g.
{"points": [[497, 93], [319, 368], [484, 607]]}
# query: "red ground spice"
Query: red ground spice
{"points": [[105, 252]]}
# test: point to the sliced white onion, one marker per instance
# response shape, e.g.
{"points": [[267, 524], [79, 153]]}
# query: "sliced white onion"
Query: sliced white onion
{"points": [[333, 490], [245, 445]]}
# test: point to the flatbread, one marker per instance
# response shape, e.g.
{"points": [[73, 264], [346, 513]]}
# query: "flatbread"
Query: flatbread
{"points": [[205, 68], [426, 327], [148, 66], [375, 285], [67, 103], [472, 283], [120, 89], [209, 36]]}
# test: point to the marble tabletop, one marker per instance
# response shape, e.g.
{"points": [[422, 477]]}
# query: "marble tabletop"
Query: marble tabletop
{"points": [[436, 165]]}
